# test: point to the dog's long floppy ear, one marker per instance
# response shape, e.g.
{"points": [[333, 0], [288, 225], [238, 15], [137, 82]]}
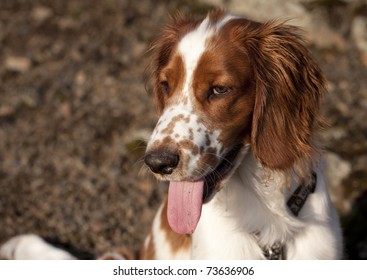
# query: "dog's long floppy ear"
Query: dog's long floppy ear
{"points": [[289, 85], [160, 51]]}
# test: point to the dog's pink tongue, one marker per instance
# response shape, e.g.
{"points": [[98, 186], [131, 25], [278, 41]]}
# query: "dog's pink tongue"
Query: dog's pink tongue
{"points": [[185, 200]]}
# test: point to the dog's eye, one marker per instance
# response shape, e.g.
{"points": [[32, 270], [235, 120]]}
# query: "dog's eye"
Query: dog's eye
{"points": [[164, 86], [221, 90]]}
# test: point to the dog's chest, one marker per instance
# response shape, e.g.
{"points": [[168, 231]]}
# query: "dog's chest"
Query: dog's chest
{"points": [[237, 224], [219, 238]]}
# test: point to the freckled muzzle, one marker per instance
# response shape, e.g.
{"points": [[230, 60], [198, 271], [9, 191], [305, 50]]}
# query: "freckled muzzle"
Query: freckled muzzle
{"points": [[180, 156], [182, 147]]}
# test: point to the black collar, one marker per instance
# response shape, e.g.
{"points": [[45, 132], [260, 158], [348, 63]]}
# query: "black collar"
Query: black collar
{"points": [[295, 204], [299, 196]]}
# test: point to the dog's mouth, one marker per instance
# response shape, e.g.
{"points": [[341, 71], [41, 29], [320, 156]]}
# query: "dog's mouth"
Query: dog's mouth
{"points": [[185, 198], [213, 179]]}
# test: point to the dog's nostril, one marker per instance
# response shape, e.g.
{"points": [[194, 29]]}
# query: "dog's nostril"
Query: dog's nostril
{"points": [[162, 162]]}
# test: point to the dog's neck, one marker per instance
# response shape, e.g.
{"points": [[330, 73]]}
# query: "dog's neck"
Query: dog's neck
{"points": [[250, 206]]}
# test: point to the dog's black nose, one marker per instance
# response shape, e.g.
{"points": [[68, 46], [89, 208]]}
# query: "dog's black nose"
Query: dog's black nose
{"points": [[162, 162]]}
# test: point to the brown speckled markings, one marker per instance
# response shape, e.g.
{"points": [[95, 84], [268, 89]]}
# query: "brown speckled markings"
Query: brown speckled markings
{"points": [[207, 139], [171, 125], [191, 134], [180, 131], [189, 145]]}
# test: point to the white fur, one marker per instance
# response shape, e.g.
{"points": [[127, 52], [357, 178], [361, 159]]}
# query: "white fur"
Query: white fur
{"points": [[254, 201], [31, 247], [250, 212], [191, 47]]}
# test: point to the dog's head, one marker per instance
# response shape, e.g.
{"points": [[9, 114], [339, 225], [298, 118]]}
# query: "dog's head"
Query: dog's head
{"points": [[221, 85]]}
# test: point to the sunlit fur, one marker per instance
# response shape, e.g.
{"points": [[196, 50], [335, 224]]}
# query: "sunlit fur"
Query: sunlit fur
{"points": [[272, 110]]}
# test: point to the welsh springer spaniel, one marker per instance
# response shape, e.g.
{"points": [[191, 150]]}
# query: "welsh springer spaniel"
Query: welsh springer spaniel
{"points": [[238, 102]]}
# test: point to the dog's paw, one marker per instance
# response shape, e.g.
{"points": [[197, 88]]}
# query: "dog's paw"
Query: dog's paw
{"points": [[31, 247]]}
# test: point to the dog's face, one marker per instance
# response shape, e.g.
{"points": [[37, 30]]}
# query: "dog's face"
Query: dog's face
{"points": [[206, 94], [224, 84]]}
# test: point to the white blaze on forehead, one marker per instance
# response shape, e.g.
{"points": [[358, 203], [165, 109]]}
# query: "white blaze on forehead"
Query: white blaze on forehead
{"points": [[224, 20], [193, 45]]}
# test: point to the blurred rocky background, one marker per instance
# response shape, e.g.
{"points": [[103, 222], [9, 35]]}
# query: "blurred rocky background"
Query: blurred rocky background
{"points": [[75, 114]]}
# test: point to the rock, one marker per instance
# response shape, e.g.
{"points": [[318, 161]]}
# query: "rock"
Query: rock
{"points": [[146, 186], [18, 64], [6, 111], [265, 10], [325, 38], [337, 169], [139, 49], [41, 13], [29, 101], [67, 23], [359, 35], [317, 30], [80, 78], [65, 110]]}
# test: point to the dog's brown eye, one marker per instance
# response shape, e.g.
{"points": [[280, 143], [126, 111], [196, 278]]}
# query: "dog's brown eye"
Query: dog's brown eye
{"points": [[221, 90], [164, 86]]}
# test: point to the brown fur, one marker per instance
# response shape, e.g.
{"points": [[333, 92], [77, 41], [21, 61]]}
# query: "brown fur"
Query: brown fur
{"points": [[289, 85], [278, 86], [148, 253]]}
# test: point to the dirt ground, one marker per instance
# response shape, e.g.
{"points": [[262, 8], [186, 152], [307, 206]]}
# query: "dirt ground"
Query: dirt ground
{"points": [[75, 115]]}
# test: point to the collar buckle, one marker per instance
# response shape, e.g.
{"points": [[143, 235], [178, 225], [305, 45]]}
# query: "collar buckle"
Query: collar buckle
{"points": [[274, 252]]}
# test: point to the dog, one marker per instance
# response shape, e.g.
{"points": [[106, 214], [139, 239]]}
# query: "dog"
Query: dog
{"points": [[238, 104]]}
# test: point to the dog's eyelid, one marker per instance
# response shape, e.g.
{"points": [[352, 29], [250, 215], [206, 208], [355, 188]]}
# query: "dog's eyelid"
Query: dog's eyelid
{"points": [[220, 90]]}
